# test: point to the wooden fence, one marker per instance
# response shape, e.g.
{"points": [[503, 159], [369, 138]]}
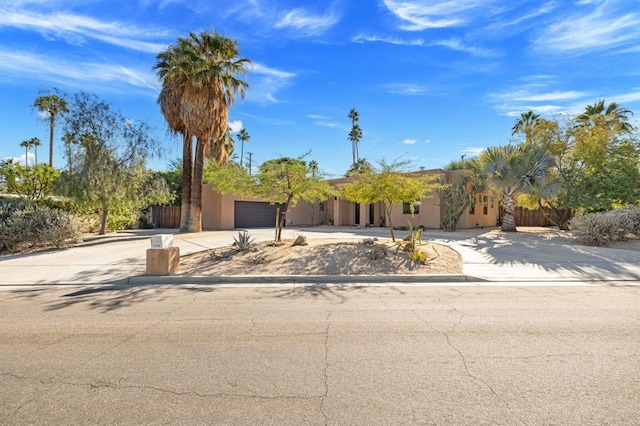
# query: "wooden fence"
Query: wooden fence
{"points": [[526, 217], [166, 216]]}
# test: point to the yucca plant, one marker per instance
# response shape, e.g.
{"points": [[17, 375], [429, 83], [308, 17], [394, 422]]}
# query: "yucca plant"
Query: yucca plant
{"points": [[243, 242]]}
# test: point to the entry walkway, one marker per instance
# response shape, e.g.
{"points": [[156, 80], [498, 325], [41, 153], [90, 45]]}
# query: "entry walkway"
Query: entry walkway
{"points": [[488, 256]]}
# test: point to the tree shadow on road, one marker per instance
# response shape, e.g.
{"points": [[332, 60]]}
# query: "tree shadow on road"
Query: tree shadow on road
{"points": [[107, 298]]}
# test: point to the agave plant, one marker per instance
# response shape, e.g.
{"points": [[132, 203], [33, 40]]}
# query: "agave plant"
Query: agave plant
{"points": [[243, 242]]}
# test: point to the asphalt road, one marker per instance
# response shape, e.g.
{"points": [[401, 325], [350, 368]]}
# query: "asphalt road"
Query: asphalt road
{"points": [[319, 355]]}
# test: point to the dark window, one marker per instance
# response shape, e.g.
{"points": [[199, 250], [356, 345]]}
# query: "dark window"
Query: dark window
{"points": [[472, 207], [406, 208], [485, 205]]}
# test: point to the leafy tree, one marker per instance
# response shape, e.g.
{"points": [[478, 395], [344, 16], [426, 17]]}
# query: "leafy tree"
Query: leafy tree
{"points": [[52, 105], [173, 178], [243, 136], [31, 183], [283, 180], [511, 170], [109, 175], [360, 167], [355, 134], [390, 184], [289, 180], [198, 86]]}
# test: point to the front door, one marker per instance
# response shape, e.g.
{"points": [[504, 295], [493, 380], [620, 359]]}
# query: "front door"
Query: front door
{"points": [[357, 210]]}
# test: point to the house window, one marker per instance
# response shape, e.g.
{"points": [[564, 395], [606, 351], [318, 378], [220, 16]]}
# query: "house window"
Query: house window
{"points": [[406, 208], [472, 207], [485, 205]]}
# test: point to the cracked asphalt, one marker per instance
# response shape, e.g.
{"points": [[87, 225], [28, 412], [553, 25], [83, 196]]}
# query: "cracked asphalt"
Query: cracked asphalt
{"points": [[320, 355]]}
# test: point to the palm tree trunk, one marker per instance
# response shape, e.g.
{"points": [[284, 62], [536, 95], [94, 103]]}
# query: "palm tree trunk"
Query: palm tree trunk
{"points": [[52, 125], [508, 221], [26, 154], [241, 152], [187, 179], [195, 213]]}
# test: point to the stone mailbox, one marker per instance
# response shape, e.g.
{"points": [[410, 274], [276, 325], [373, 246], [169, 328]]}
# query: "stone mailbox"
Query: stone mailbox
{"points": [[163, 258]]}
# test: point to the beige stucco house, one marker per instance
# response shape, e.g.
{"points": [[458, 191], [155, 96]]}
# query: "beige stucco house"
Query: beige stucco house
{"points": [[229, 211]]}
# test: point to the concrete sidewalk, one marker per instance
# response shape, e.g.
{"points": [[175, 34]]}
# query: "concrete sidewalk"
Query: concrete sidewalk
{"points": [[488, 257]]}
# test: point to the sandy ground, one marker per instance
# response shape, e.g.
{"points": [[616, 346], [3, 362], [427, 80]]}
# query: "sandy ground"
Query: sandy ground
{"points": [[321, 257], [353, 257]]}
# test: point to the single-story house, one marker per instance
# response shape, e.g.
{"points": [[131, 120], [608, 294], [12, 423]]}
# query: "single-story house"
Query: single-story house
{"points": [[229, 211]]}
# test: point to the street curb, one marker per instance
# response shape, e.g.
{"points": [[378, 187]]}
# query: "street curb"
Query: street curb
{"points": [[298, 279]]}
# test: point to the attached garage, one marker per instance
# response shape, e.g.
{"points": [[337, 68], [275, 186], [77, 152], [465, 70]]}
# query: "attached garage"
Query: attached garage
{"points": [[252, 214]]}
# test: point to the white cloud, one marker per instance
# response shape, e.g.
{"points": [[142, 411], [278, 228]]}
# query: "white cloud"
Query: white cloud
{"points": [[604, 27], [305, 23], [459, 45], [406, 89], [409, 141], [267, 83], [107, 77], [472, 150], [361, 38], [235, 126], [75, 29], [420, 15]]}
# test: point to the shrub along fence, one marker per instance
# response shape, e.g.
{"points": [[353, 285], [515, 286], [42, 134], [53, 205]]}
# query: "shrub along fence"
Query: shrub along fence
{"points": [[166, 216], [526, 217]]}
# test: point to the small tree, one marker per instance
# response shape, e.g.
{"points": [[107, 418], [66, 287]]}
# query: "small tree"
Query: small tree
{"points": [[391, 185], [289, 180], [109, 176], [283, 180], [31, 183]]}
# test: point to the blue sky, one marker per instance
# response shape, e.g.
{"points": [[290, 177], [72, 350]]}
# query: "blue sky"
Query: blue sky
{"points": [[431, 80]]}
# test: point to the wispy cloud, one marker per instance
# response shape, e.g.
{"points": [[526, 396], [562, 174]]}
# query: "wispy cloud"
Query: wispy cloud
{"points": [[76, 29], [406, 89], [459, 45], [266, 83], [362, 38], [409, 141], [305, 23], [608, 25], [420, 15], [76, 74]]}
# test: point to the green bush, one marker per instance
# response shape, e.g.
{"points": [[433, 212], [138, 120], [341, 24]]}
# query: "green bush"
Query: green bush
{"points": [[25, 226], [599, 229]]}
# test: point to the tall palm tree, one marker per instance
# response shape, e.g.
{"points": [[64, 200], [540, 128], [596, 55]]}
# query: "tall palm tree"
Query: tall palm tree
{"points": [[511, 170], [27, 145], [198, 86], [243, 136], [356, 133], [52, 105], [525, 124], [35, 142], [614, 116]]}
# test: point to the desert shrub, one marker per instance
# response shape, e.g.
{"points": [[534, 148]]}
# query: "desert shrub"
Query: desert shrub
{"points": [[599, 229], [243, 242], [27, 226]]}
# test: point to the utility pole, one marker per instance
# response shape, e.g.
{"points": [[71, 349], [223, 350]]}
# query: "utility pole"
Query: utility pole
{"points": [[250, 154]]}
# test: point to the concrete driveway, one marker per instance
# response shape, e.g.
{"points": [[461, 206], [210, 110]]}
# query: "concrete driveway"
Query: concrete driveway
{"points": [[486, 257]]}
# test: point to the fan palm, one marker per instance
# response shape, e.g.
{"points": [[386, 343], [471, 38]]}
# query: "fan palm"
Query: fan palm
{"points": [[511, 170], [35, 142], [198, 86], [243, 136], [52, 105]]}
